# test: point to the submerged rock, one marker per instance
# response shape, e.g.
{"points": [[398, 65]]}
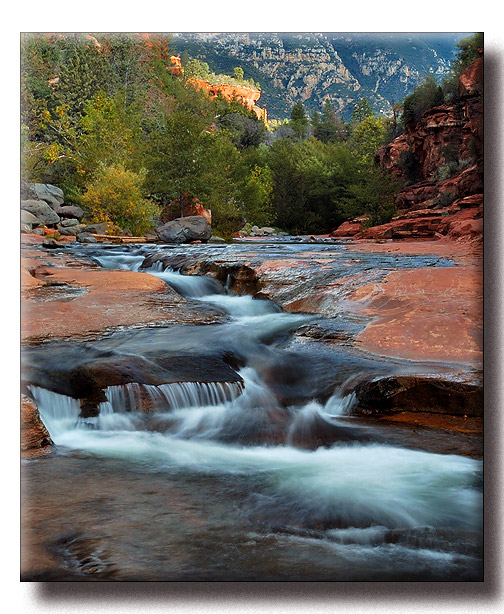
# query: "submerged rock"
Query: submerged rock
{"points": [[422, 394]]}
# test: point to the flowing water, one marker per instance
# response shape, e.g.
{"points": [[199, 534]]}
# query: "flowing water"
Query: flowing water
{"points": [[218, 480]]}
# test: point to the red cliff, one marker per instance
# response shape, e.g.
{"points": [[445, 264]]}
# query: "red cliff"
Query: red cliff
{"points": [[246, 96], [447, 144]]}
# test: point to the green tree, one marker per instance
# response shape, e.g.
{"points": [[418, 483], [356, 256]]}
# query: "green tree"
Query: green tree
{"points": [[468, 52], [427, 95], [115, 195], [196, 70], [298, 120], [238, 73], [367, 137], [177, 157], [331, 129], [361, 110], [257, 197], [372, 195]]}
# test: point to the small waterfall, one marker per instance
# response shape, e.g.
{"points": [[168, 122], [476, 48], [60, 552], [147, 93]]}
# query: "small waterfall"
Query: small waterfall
{"points": [[123, 262], [59, 412], [125, 404], [190, 286], [165, 397]]}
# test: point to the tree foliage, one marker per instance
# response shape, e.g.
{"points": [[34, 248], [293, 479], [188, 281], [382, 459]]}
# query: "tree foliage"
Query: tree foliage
{"points": [[115, 196], [105, 120], [427, 95]]}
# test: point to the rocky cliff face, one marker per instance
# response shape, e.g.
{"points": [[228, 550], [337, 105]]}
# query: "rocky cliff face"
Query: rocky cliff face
{"points": [[317, 66], [447, 145], [246, 96]]}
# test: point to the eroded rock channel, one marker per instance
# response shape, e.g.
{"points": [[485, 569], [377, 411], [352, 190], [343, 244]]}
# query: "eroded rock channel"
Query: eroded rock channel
{"points": [[251, 438]]}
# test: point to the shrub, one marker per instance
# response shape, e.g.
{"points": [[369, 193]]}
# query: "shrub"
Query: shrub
{"points": [[445, 199], [115, 196], [410, 165], [427, 95]]}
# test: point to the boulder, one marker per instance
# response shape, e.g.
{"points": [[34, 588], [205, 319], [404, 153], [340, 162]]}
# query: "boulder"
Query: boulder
{"points": [[267, 230], [27, 191], [191, 206], [71, 231], [97, 229], [388, 395], [216, 239], [41, 210], [69, 222], [28, 221], [185, 230], [70, 211], [52, 195], [85, 237]]}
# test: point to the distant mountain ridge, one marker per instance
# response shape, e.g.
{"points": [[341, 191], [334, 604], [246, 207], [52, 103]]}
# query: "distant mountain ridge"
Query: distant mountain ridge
{"points": [[314, 66]]}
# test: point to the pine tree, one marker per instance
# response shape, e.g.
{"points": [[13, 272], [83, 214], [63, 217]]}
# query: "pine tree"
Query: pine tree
{"points": [[361, 110]]}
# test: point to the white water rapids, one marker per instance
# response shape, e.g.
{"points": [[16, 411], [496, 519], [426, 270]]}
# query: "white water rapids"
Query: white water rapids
{"points": [[361, 489]]}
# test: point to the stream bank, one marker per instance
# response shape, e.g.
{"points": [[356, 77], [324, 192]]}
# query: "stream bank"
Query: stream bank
{"points": [[254, 399]]}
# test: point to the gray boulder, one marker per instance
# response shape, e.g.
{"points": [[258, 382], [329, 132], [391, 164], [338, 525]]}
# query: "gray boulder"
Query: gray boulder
{"points": [[27, 191], [70, 222], [97, 229], [28, 221], [185, 230], [52, 195], [71, 231], [85, 237], [41, 210], [267, 230], [70, 211]]}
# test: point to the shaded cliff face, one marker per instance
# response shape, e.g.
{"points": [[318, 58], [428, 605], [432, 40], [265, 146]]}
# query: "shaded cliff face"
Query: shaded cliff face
{"points": [[341, 67]]}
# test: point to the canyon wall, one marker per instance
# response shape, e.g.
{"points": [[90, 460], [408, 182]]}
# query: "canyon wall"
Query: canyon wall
{"points": [[445, 149]]}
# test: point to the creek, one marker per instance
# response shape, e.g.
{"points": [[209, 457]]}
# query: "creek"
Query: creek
{"points": [[264, 476]]}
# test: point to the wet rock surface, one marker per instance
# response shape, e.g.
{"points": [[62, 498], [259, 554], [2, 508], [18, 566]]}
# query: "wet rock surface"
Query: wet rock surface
{"points": [[410, 393], [35, 439], [280, 458]]}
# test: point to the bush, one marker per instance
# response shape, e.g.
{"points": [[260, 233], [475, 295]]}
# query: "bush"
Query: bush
{"points": [[427, 95], [410, 165], [115, 196], [445, 199]]}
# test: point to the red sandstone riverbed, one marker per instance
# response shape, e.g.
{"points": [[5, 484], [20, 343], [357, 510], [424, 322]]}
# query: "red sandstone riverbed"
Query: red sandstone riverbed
{"points": [[425, 314]]}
